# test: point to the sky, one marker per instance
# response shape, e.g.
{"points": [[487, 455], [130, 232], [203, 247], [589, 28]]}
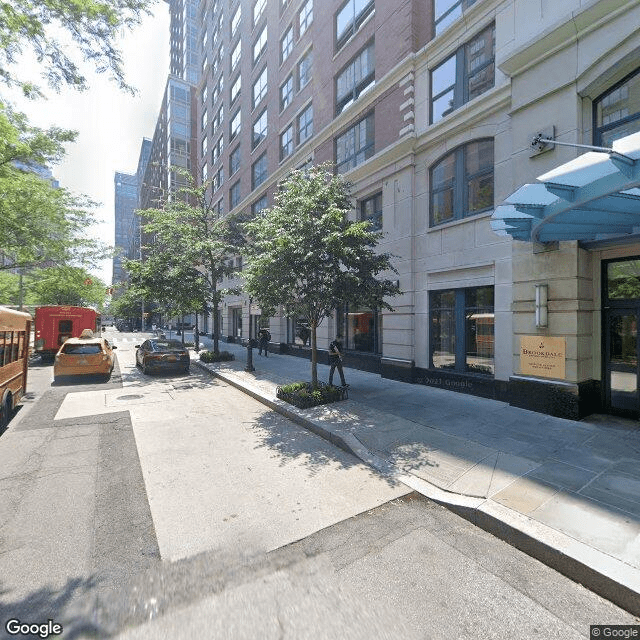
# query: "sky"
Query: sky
{"points": [[110, 122]]}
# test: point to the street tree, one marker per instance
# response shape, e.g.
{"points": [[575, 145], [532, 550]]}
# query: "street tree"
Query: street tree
{"points": [[189, 253], [65, 285], [306, 256], [38, 222], [60, 33]]}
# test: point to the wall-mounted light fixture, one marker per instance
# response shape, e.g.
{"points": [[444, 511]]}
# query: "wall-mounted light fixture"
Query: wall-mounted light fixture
{"points": [[542, 310]]}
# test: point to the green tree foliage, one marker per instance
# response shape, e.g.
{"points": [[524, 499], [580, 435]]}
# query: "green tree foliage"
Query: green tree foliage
{"points": [[65, 285], [38, 223], [182, 267], [57, 30], [9, 288], [126, 305], [305, 255]]}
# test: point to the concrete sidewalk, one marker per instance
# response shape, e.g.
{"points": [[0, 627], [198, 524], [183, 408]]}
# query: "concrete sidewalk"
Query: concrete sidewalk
{"points": [[565, 492]]}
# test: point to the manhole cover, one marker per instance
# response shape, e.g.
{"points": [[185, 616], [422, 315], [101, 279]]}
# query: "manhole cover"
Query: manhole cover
{"points": [[131, 397]]}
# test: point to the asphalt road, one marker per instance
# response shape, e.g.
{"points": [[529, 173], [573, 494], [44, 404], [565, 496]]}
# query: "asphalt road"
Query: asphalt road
{"points": [[177, 507]]}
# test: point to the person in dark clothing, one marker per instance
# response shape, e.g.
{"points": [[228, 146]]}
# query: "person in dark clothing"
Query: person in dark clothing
{"points": [[335, 360], [264, 337]]}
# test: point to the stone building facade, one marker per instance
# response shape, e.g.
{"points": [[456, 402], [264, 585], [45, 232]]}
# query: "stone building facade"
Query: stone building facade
{"points": [[429, 109]]}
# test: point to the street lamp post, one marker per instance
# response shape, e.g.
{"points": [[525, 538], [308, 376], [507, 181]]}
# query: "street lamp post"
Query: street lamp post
{"points": [[249, 366]]}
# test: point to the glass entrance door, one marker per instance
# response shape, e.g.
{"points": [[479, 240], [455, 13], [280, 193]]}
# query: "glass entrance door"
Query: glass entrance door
{"points": [[622, 361]]}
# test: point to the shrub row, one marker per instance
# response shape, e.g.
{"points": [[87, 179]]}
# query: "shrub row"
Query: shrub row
{"points": [[212, 356], [304, 396]]}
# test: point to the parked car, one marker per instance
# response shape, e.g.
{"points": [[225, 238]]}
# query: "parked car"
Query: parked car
{"points": [[84, 356], [162, 355]]}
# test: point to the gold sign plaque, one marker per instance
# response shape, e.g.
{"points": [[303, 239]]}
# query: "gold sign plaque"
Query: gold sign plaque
{"points": [[542, 356]]}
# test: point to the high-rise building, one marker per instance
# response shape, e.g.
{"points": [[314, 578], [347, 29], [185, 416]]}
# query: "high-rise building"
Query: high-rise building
{"points": [[429, 108], [126, 202]]}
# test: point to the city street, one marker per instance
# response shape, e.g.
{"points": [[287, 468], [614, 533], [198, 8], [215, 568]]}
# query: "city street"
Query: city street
{"points": [[176, 506]]}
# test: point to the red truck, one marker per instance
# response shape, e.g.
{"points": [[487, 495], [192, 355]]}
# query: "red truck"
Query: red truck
{"points": [[54, 325]]}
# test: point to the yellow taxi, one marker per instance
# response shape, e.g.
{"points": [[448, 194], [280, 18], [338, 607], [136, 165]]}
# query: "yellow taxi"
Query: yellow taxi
{"points": [[87, 355]]}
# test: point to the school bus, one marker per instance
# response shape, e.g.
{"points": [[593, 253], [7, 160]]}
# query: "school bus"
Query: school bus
{"points": [[15, 331], [55, 324]]}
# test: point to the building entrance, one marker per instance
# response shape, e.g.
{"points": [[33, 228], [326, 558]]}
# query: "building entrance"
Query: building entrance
{"points": [[621, 314]]}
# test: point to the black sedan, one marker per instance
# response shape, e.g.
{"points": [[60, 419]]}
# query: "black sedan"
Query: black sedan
{"points": [[162, 355]]}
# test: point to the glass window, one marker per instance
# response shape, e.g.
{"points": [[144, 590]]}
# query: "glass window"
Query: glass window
{"points": [[258, 8], [355, 145], [286, 142], [462, 330], [298, 331], [305, 16], [217, 90], [443, 329], [235, 55], [204, 119], [234, 160], [462, 182], [204, 146], [260, 88], [216, 152], [234, 194], [235, 88], [355, 78], [235, 20], [350, 17], [304, 70], [623, 280], [617, 112], [360, 332], [259, 171], [305, 124], [445, 12], [236, 122], [259, 205], [204, 94], [286, 93], [217, 120], [259, 129], [465, 75], [260, 44], [286, 44], [371, 210]]}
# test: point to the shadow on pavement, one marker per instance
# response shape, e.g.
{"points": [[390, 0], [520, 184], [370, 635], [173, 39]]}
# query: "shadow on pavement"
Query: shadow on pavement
{"points": [[62, 606], [290, 442]]}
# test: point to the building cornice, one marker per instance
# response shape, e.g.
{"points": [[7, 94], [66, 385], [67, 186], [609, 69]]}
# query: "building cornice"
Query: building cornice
{"points": [[565, 33], [466, 117]]}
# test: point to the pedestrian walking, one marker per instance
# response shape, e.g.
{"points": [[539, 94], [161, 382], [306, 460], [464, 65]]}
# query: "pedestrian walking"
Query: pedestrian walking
{"points": [[335, 360], [264, 338]]}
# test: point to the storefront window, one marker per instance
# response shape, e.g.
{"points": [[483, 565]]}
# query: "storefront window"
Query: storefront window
{"points": [[298, 331], [443, 329], [462, 330], [359, 328], [236, 320], [479, 325]]}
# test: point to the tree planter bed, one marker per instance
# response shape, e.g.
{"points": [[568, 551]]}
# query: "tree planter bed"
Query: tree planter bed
{"points": [[302, 395]]}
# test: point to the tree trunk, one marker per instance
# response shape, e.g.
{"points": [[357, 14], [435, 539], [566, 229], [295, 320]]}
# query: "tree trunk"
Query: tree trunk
{"points": [[216, 326], [314, 357]]}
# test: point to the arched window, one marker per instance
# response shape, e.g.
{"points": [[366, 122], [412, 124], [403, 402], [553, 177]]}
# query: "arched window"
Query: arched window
{"points": [[462, 182]]}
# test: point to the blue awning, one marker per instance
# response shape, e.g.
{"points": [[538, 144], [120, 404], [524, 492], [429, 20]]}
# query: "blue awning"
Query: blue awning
{"points": [[594, 197]]}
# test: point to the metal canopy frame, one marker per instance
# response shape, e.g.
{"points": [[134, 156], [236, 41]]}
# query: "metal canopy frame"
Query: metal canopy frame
{"points": [[594, 197]]}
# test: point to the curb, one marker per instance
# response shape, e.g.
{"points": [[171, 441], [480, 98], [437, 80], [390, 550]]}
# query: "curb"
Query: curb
{"points": [[595, 570]]}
